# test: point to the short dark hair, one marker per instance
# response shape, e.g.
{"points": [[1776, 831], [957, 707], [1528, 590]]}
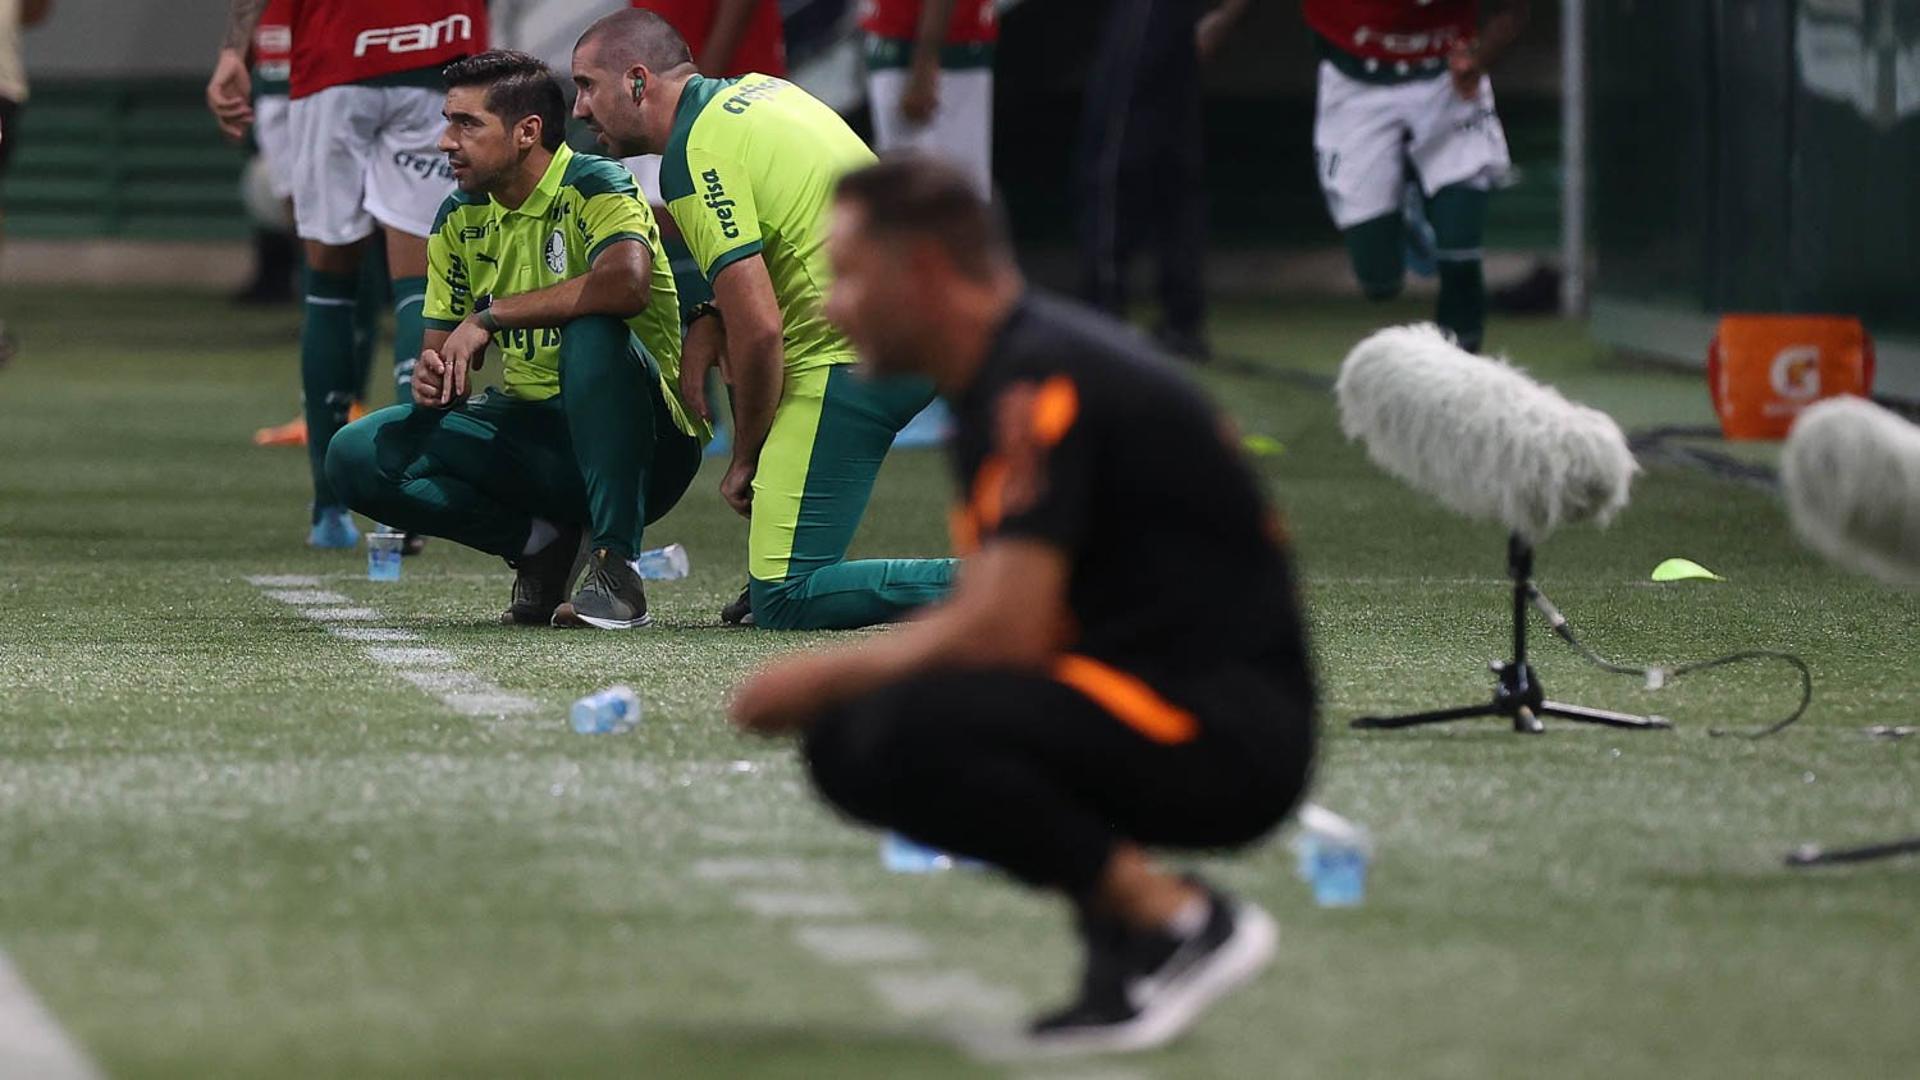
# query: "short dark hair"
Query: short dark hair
{"points": [[913, 194], [518, 86], [639, 37]]}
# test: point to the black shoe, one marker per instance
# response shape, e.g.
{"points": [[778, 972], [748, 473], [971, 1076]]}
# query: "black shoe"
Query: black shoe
{"points": [[542, 580], [1143, 989], [740, 612], [611, 596]]}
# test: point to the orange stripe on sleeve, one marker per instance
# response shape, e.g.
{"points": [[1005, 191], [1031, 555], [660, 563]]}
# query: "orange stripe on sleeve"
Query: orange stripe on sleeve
{"points": [[1055, 407], [1128, 698]]}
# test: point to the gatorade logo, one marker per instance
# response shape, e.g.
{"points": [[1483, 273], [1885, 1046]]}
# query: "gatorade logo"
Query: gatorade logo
{"points": [[1795, 373], [722, 207]]}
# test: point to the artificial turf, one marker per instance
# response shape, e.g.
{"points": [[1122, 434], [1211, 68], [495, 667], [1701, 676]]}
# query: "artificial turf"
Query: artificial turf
{"points": [[233, 845]]}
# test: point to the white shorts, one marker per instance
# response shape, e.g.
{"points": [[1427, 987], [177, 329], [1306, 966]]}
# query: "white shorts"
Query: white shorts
{"points": [[364, 155], [960, 130], [272, 132], [1367, 135]]}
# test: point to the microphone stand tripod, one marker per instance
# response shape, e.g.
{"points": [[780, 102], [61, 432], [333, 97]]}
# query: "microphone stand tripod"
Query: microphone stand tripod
{"points": [[1517, 693]]}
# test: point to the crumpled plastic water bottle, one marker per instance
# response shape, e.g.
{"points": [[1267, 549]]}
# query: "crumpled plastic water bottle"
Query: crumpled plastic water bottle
{"points": [[668, 563], [607, 712], [902, 856], [1333, 854]]}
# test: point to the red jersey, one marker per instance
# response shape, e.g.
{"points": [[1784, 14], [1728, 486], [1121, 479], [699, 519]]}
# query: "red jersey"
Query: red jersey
{"points": [[1395, 29], [273, 45], [974, 22], [762, 47], [348, 41]]}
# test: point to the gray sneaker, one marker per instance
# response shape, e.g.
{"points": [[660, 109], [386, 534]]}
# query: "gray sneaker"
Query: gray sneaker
{"points": [[542, 579], [611, 596]]}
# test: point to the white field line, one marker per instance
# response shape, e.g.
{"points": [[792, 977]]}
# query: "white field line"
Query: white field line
{"points": [[956, 1005], [434, 671], [32, 1042]]}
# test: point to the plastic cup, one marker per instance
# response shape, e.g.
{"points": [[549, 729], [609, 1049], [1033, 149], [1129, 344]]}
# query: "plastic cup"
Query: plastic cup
{"points": [[384, 552]]}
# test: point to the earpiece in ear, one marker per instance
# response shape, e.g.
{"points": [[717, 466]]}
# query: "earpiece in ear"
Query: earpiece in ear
{"points": [[639, 86]]}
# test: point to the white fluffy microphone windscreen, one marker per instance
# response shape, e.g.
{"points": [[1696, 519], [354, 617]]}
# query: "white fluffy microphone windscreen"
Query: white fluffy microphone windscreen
{"points": [[1479, 435], [1851, 473]]}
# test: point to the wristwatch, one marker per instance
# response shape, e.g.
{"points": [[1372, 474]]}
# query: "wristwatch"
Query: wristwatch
{"points": [[700, 311]]}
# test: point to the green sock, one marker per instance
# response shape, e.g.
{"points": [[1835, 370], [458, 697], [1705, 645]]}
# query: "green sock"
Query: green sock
{"points": [[1459, 216], [326, 370], [409, 301], [369, 307], [1378, 248], [610, 419]]}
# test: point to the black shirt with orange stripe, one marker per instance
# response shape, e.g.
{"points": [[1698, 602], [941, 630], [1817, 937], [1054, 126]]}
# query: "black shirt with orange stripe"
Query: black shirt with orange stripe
{"points": [[1076, 433]]}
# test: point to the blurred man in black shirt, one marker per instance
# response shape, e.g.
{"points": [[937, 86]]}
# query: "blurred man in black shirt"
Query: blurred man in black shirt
{"points": [[1122, 664]]}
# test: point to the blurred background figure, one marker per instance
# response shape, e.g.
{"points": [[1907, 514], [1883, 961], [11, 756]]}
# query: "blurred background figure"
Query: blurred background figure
{"points": [[1141, 172], [930, 90], [930, 80], [15, 15]]}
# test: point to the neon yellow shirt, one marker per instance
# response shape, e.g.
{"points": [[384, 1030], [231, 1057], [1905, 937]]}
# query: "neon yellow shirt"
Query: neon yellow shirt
{"points": [[479, 249], [749, 169]]}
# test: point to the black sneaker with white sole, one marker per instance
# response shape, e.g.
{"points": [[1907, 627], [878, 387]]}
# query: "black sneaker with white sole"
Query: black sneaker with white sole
{"points": [[611, 596], [740, 612], [541, 580], [1143, 989]]}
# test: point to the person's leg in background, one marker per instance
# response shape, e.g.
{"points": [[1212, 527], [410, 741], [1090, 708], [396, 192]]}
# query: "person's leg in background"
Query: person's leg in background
{"points": [[1459, 216], [1460, 152], [830, 434], [1110, 172], [1180, 203], [369, 311], [959, 131], [9, 121], [1359, 141], [333, 136]]}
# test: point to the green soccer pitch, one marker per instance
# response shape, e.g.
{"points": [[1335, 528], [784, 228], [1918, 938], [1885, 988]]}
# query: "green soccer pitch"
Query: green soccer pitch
{"points": [[238, 844]]}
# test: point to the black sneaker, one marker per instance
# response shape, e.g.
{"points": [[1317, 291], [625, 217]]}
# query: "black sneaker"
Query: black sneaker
{"points": [[740, 612], [611, 596], [542, 580], [1143, 989]]}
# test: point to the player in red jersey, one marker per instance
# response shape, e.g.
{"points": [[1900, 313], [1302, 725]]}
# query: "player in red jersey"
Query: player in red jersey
{"points": [[727, 37], [365, 123], [1404, 92], [930, 79]]}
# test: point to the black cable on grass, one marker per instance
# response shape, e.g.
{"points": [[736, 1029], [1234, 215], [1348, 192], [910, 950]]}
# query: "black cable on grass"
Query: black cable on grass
{"points": [[1658, 677]]}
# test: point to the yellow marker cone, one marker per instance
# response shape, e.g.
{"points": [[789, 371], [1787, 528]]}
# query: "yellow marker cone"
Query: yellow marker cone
{"points": [[1684, 570], [1263, 445]]}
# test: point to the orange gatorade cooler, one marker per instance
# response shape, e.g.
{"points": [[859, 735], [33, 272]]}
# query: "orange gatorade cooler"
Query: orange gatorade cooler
{"points": [[1763, 369]]}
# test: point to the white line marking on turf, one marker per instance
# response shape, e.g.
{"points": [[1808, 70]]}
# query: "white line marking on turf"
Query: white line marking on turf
{"points": [[410, 656], [797, 905], [32, 1042], [340, 614], [283, 581], [749, 869], [434, 671], [922, 995], [306, 596], [488, 704], [863, 943], [372, 633]]}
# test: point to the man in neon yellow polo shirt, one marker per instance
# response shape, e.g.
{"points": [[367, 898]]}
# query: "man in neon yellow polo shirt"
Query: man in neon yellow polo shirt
{"points": [[555, 258], [748, 171]]}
